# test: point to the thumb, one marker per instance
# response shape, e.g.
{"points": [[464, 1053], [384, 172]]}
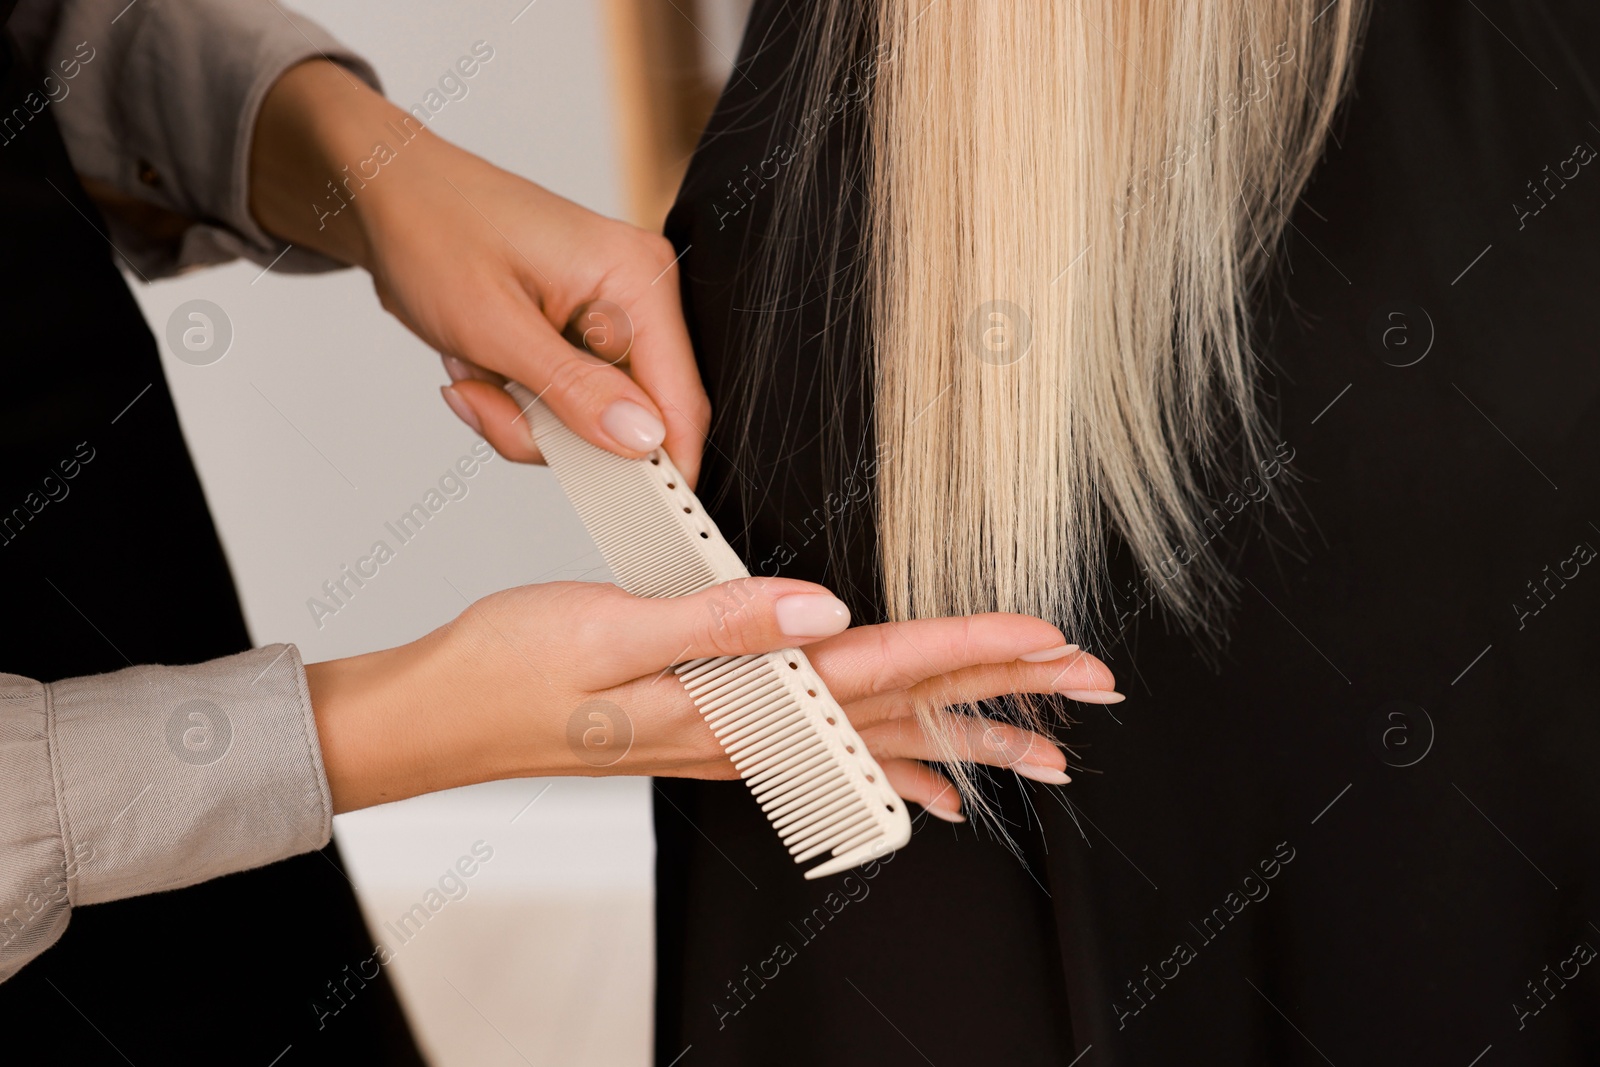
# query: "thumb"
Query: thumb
{"points": [[743, 617]]}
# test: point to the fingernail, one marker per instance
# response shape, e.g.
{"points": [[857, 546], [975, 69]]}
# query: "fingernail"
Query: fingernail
{"points": [[811, 615], [947, 816], [458, 369], [462, 409], [1049, 654], [631, 426], [1040, 773], [1094, 696]]}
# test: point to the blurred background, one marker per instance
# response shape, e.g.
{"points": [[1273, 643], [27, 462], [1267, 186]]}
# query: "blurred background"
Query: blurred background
{"points": [[323, 421]]}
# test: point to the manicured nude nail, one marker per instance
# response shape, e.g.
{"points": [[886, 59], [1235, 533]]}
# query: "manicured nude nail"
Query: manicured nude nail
{"points": [[1049, 654], [1094, 696], [631, 426], [947, 816], [811, 615], [1040, 773], [458, 369], [462, 409]]}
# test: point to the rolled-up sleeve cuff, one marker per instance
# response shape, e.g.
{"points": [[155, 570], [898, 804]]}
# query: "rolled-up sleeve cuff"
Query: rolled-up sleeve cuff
{"points": [[203, 139], [167, 111], [33, 849], [173, 775], [151, 778]]}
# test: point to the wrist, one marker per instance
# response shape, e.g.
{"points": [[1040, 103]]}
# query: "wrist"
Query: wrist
{"points": [[428, 716], [374, 715], [321, 142]]}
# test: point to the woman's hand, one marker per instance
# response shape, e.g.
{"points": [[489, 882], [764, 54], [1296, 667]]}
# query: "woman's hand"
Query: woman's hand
{"points": [[574, 678], [505, 279]]}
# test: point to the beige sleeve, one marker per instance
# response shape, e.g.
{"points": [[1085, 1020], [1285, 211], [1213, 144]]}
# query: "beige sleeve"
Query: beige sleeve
{"points": [[158, 100], [150, 778]]}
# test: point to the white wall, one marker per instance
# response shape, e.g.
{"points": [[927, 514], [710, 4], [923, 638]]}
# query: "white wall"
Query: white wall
{"points": [[324, 420]]}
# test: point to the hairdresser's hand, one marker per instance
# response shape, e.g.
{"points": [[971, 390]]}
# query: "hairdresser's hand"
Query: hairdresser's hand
{"points": [[573, 678], [502, 277]]}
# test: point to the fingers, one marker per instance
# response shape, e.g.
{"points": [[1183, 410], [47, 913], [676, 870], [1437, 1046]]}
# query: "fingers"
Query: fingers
{"points": [[870, 660], [492, 412], [675, 386], [627, 637], [973, 739], [476, 396], [663, 363], [666, 371], [461, 370], [601, 328], [921, 784], [647, 329], [1077, 675], [601, 403]]}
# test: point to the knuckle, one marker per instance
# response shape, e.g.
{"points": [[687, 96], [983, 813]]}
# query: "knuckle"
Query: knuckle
{"points": [[657, 249], [720, 632], [964, 638], [697, 409], [588, 631], [590, 613], [889, 674], [739, 608], [994, 743], [573, 381]]}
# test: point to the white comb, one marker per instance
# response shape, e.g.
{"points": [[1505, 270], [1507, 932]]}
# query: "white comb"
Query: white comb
{"points": [[820, 788]]}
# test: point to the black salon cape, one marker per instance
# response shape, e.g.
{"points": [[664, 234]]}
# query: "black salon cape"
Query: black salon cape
{"points": [[1370, 834], [129, 565]]}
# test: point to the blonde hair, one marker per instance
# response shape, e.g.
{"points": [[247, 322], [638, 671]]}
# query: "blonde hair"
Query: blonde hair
{"points": [[1067, 204]]}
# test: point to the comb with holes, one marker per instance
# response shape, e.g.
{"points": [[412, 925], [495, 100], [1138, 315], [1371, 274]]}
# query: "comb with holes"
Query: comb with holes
{"points": [[806, 766]]}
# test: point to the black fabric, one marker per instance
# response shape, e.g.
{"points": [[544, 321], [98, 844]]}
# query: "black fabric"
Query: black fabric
{"points": [[1366, 833], [125, 567]]}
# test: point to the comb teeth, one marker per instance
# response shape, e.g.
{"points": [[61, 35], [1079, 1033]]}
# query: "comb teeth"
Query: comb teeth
{"points": [[796, 750], [650, 549], [813, 789]]}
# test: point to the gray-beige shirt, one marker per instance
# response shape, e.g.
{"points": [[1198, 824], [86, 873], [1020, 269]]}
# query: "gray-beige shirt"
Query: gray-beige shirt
{"points": [[155, 777]]}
